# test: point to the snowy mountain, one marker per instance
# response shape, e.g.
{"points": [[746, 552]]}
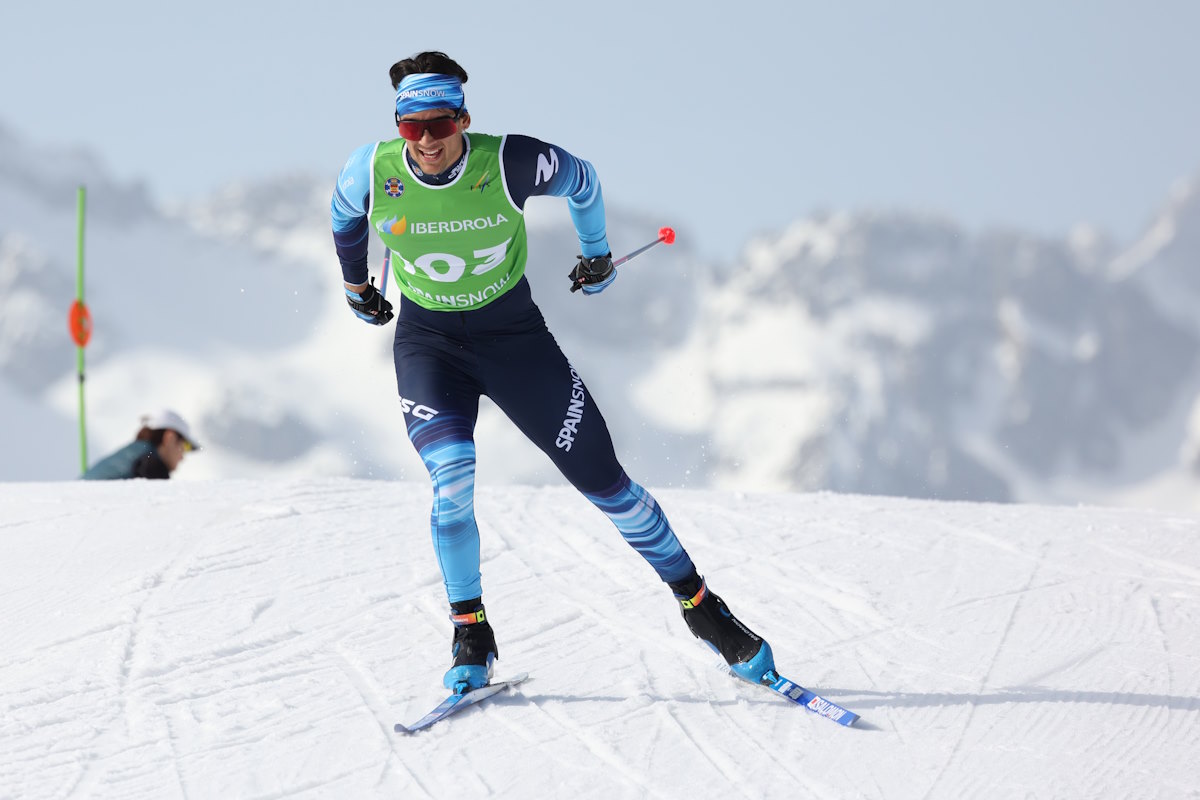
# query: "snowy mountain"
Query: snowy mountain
{"points": [[887, 353], [256, 638], [912, 358]]}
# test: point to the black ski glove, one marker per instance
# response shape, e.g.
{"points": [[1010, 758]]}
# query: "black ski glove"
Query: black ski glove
{"points": [[370, 305], [593, 274]]}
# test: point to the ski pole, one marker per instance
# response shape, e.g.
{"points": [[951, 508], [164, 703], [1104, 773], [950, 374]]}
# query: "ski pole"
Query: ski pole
{"points": [[665, 235], [80, 321], [387, 261]]}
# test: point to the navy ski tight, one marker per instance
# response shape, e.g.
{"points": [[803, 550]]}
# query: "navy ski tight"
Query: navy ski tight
{"points": [[445, 360]]}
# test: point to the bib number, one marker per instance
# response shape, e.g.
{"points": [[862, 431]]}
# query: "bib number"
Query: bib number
{"points": [[448, 268]]}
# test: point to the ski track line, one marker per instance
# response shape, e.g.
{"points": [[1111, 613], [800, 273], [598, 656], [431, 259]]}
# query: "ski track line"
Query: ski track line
{"points": [[1001, 595], [381, 711], [10, 526], [597, 747], [835, 607], [710, 754], [523, 731], [308, 642], [584, 600], [1188, 575], [125, 676], [591, 552], [308, 786], [172, 742], [279, 649], [130, 684], [584, 548], [1164, 642], [598, 556], [204, 570], [983, 683], [1072, 662], [125, 669], [966, 532], [222, 656], [684, 644], [169, 575], [931, 643], [728, 770], [84, 768], [41, 752], [260, 608], [52, 646]]}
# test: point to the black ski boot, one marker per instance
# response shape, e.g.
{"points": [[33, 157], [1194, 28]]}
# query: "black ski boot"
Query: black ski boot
{"points": [[473, 648], [711, 621]]}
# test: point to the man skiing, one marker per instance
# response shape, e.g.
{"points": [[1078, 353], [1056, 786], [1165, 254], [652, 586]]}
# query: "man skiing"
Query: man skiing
{"points": [[450, 207]]}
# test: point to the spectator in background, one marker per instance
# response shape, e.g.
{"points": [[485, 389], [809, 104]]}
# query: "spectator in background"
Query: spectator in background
{"points": [[155, 453]]}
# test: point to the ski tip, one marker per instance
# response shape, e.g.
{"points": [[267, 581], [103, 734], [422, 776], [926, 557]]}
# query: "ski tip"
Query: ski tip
{"points": [[401, 728]]}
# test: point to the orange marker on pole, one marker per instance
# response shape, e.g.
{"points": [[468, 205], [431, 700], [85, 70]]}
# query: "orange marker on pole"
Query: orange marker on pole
{"points": [[79, 321]]}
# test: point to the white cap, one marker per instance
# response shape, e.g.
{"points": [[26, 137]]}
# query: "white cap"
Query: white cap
{"points": [[166, 418]]}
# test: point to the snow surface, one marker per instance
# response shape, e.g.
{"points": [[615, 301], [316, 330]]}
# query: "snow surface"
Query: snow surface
{"points": [[258, 639]]}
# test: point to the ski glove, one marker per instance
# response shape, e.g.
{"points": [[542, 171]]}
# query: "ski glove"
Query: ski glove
{"points": [[370, 305], [593, 274]]}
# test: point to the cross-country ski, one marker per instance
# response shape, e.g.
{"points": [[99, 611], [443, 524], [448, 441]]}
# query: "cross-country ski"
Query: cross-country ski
{"points": [[458, 701]]}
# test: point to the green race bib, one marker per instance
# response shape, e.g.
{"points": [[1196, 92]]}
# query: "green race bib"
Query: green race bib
{"points": [[453, 247]]}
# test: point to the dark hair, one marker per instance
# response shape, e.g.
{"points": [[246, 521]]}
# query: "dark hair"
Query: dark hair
{"points": [[153, 436], [429, 61]]}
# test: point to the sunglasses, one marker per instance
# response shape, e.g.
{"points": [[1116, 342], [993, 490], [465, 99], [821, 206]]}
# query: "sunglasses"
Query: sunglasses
{"points": [[179, 437], [438, 127]]}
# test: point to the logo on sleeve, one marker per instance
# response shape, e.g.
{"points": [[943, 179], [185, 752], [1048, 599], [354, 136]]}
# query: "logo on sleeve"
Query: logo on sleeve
{"points": [[546, 167]]}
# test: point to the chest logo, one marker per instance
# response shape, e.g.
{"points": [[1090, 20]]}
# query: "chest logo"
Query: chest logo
{"points": [[394, 226], [393, 187]]}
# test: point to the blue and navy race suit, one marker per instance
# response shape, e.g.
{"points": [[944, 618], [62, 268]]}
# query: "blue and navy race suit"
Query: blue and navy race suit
{"points": [[446, 360]]}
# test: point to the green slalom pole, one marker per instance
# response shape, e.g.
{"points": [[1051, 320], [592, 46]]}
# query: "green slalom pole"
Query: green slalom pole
{"points": [[81, 330]]}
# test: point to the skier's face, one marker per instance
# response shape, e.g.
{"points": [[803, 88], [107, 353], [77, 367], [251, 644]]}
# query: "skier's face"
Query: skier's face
{"points": [[172, 449], [435, 155]]}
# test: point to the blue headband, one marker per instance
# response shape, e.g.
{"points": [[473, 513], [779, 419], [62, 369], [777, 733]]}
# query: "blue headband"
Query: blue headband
{"points": [[427, 90]]}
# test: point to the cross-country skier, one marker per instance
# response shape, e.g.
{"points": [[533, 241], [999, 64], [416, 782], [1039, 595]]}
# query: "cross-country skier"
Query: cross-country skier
{"points": [[449, 205]]}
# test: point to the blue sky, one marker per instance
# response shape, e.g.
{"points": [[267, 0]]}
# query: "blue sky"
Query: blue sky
{"points": [[723, 120]]}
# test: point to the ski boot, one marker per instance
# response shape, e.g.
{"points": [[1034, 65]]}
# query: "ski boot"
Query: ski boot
{"points": [[710, 620], [473, 648]]}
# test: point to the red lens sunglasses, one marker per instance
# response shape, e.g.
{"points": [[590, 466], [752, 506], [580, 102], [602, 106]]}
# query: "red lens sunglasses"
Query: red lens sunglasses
{"points": [[438, 127]]}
